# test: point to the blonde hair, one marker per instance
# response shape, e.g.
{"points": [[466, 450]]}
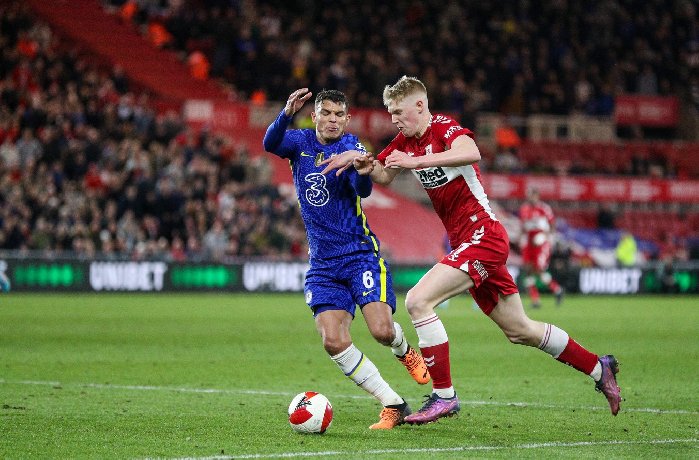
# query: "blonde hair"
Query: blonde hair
{"points": [[404, 87]]}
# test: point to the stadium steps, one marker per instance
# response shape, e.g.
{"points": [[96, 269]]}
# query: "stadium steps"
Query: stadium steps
{"points": [[111, 40]]}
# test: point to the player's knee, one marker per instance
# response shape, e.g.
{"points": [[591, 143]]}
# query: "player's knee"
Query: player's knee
{"points": [[417, 305], [515, 336], [335, 345], [521, 334], [384, 334]]}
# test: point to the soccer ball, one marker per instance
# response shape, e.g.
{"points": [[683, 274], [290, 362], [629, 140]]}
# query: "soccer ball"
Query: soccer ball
{"points": [[310, 412]]}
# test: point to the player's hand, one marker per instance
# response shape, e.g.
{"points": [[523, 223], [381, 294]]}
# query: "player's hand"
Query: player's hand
{"points": [[399, 159], [296, 101], [364, 164], [340, 162]]}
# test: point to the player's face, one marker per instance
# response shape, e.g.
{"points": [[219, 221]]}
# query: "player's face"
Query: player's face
{"points": [[405, 114], [330, 119]]}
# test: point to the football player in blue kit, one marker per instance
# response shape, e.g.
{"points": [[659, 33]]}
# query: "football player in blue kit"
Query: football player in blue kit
{"points": [[346, 268]]}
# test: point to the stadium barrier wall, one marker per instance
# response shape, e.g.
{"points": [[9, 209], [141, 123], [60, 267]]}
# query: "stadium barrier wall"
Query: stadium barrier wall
{"points": [[54, 275]]}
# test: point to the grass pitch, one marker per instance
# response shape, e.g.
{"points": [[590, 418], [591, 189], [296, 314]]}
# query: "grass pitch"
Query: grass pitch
{"points": [[211, 376]]}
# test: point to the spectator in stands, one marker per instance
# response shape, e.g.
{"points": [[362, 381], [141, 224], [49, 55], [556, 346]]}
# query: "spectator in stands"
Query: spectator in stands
{"points": [[627, 250], [198, 65], [605, 217], [216, 241]]}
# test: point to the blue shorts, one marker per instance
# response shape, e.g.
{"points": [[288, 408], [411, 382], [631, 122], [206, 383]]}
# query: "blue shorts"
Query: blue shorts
{"points": [[342, 283]]}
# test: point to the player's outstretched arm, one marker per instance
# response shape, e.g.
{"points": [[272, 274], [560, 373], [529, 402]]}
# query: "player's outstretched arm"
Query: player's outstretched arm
{"points": [[364, 165], [341, 162], [384, 175], [463, 152]]}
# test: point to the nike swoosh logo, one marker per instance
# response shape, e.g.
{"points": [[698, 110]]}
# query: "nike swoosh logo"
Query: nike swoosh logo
{"points": [[304, 154], [366, 293]]}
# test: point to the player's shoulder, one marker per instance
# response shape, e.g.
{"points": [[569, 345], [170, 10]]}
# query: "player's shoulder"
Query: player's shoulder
{"points": [[448, 127], [442, 119], [300, 136], [546, 208], [352, 142], [397, 142]]}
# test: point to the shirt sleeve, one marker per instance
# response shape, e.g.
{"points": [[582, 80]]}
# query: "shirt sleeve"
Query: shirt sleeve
{"points": [[361, 184], [396, 144], [447, 129], [276, 140]]}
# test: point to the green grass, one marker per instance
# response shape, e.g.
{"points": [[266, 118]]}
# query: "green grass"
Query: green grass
{"points": [[145, 376]]}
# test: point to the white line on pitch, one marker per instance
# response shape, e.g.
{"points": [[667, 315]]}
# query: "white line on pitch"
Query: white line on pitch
{"points": [[428, 450], [109, 386]]}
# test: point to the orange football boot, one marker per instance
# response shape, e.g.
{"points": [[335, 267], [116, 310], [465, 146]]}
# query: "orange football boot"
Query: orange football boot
{"points": [[391, 417], [413, 362]]}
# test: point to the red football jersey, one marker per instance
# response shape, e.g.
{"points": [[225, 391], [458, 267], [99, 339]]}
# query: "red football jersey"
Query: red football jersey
{"points": [[536, 218], [457, 193]]}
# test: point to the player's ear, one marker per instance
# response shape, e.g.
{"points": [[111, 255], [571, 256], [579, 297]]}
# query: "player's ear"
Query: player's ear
{"points": [[348, 118], [313, 116]]}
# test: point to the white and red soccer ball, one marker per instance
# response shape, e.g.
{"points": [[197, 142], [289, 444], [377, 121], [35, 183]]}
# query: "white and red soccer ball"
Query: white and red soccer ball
{"points": [[310, 412]]}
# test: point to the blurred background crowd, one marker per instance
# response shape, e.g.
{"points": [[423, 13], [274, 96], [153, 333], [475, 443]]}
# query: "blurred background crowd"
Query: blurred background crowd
{"points": [[89, 164], [516, 57]]}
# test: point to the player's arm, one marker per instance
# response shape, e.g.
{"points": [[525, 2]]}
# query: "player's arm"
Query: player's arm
{"points": [[274, 140], [342, 161], [360, 183], [463, 151], [363, 162], [383, 175]]}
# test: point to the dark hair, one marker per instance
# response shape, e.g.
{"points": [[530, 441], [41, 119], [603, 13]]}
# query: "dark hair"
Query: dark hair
{"points": [[332, 95]]}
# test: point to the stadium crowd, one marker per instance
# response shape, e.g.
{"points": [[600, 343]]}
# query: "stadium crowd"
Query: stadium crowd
{"points": [[515, 57], [87, 165]]}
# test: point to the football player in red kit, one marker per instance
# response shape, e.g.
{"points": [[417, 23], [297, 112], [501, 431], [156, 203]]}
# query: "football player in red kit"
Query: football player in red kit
{"points": [[537, 225], [444, 156]]}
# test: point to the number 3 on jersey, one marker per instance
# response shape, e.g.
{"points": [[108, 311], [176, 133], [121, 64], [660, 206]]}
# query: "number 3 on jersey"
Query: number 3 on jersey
{"points": [[317, 194]]}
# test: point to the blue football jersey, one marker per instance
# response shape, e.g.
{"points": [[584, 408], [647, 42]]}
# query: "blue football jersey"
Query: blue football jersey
{"points": [[330, 205]]}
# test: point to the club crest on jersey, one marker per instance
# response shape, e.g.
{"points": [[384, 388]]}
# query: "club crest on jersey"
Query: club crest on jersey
{"points": [[319, 157], [431, 177]]}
